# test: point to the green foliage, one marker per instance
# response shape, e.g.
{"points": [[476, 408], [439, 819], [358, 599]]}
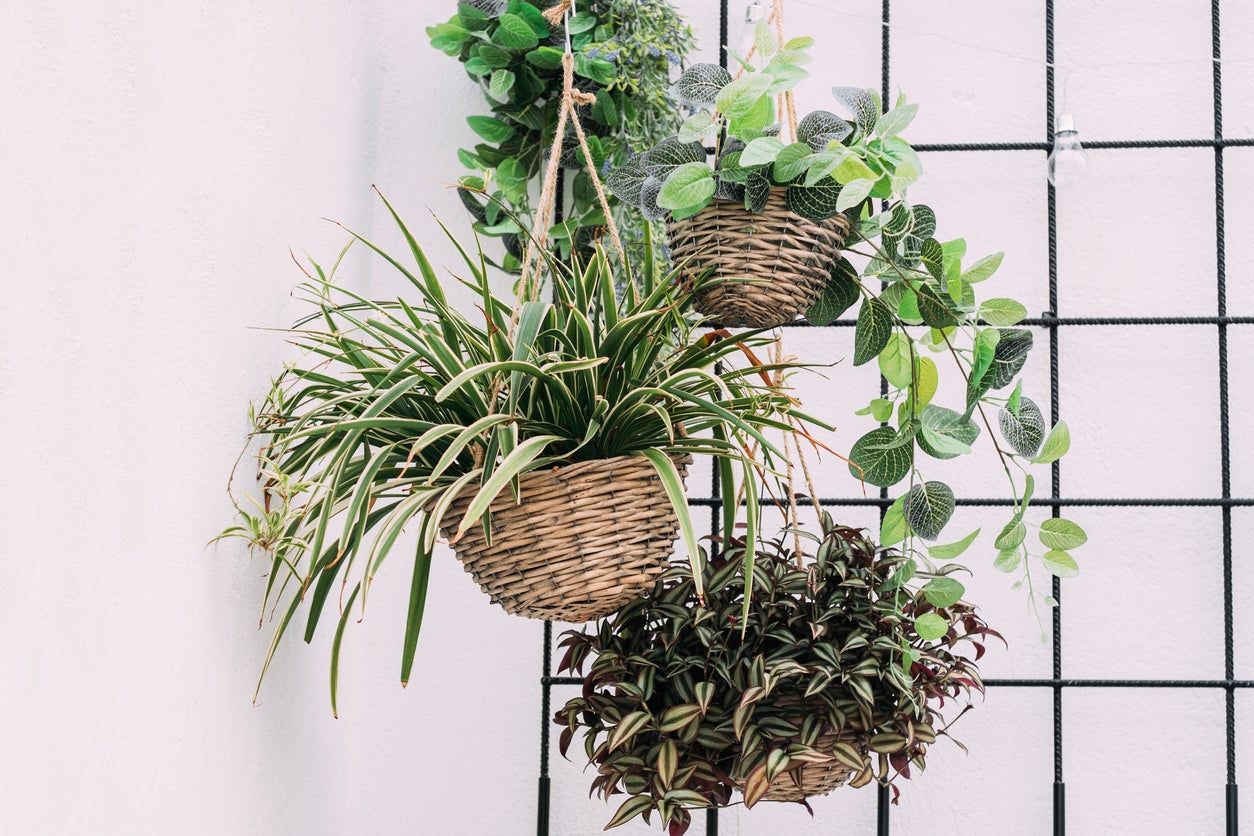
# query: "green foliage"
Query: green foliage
{"points": [[624, 54], [686, 705], [400, 407]]}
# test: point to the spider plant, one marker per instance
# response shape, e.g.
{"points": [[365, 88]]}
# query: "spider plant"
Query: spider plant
{"points": [[399, 407]]}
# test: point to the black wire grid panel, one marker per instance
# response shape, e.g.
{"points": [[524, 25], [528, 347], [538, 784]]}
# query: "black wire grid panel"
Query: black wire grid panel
{"points": [[1051, 323]]}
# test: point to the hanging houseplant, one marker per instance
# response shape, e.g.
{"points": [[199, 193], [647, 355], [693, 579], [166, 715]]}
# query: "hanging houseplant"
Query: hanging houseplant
{"points": [[757, 224], [625, 52], [548, 446], [837, 675]]}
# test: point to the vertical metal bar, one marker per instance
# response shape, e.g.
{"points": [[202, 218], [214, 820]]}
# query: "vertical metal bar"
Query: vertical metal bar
{"points": [[542, 802], [1225, 475], [546, 688], [711, 814], [882, 817], [1060, 789]]}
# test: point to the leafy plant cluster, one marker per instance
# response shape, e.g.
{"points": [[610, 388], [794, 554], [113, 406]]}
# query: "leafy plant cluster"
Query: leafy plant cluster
{"points": [[400, 407], [624, 52], [684, 704]]}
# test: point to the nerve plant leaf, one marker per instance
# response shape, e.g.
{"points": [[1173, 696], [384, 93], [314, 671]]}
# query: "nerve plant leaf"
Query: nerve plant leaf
{"points": [[700, 84], [863, 104], [838, 296], [820, 128], [928, 507], [946, 434], [876, 460], [1023, 432], [875, 326]]}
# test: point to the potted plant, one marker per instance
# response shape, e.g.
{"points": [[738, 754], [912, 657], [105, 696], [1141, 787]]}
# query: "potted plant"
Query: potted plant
{"points": [[546, 440], [834, 669], [625, 52]]}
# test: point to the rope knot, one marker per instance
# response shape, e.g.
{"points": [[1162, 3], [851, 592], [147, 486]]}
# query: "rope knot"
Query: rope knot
{"points": [[554, 15]]}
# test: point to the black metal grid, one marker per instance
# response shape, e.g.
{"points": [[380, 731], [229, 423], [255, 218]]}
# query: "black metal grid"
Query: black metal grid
{"points": [[1052, 323]]}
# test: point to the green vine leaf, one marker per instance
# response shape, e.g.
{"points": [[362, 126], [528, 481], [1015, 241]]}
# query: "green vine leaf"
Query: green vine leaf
{"points": [[1060, 564], [1008, 560], [1002, 312], [688, 186], [951, 551], [1056, 445], [875, 326], [896, 360], [1059, 533], [928, 508], [1023, 432], [882, 463], [1011, 536], [838, 296], [700, 84], [513, 32], [931, 626], [945, 433], [943, 592]]}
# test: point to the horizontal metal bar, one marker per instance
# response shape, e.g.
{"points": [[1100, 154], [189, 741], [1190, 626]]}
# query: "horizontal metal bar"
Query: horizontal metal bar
{"points": [[1051, 683], [1052, 321], [1094, 144], [1044, 502]]}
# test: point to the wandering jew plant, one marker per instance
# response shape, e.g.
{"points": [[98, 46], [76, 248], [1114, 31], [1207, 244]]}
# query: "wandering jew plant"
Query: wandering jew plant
{"points": [[918, 308], [624, 54], [400, 407], [842, 665]]}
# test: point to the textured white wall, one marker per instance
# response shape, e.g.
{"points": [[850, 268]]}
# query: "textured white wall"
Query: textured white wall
{"points": [[156, 161]]}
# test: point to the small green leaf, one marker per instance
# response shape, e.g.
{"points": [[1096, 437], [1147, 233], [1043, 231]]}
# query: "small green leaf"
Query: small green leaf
{"points": [[893, 526], [1060, 564], [853, 193], [930, 626], [943, 592], [1056, 445], [791, 162], [1011, 535], [838, 296], [951, 551], [926, 380], [502, 82], [1008, 560], [1058, 533], [493, 130], [896, 360], [875, 326], [694, 126], [873, 460], [690, 185], [513, 32], [761, 151], [928, 508], [1002, 312], [983, 269], [741, 95]]}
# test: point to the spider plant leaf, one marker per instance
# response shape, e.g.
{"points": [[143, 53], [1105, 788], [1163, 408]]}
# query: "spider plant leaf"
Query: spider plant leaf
{"points": [[335, 650], [522, 459], [462, 441], [674, 487], [417, 604]]}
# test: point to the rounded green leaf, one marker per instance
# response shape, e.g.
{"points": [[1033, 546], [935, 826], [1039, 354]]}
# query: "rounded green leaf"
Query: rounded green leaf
{"points": [[943, 592], [1057, 533], [1059, 563], [896, 360], [931, 626], [513, 32], [873, 461], [928, 508], [689, 186]]}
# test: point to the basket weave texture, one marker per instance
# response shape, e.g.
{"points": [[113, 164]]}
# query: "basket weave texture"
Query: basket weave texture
{"points": [[815, 778], [786, 258], [585, 539]]}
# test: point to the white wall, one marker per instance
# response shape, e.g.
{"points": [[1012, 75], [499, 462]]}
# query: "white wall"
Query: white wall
{"points": [[158, 159]]}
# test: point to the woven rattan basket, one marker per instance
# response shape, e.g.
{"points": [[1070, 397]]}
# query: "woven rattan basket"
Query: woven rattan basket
{"points": [[779, 261], [814, 779], [586, 539]]}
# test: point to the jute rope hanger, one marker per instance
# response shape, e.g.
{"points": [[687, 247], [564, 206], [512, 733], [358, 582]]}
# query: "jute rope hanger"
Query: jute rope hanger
{"points": [[530, 277]]}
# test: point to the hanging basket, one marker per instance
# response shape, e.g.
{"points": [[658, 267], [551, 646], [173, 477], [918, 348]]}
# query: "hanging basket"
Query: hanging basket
{"points": [[774, 263], [813, 779], [585, 539]]}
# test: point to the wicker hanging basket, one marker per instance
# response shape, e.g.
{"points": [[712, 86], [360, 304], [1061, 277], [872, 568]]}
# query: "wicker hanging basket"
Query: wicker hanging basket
{"points": [[586, 539], [813, 779], [778, 261]]}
